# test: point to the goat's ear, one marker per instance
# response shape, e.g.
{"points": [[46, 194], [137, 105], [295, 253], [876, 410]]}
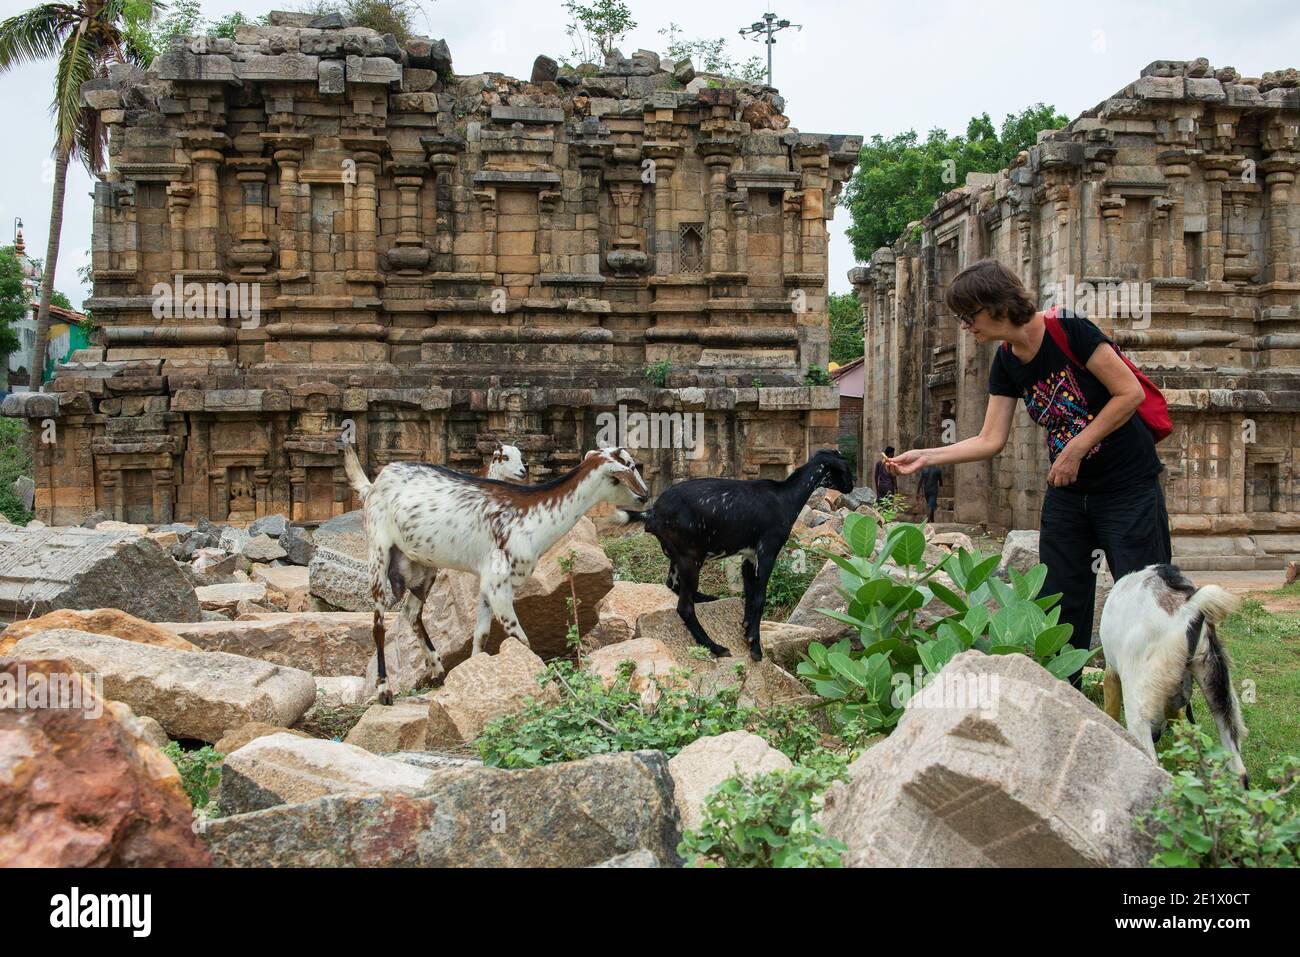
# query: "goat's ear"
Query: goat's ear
{"points": [[590, 454]]}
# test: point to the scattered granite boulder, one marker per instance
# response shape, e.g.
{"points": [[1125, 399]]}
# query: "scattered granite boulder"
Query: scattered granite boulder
{"points": [[654, 666], [1040, 775], [336, 691], [545, 70], [341, 580], [100, 621], [191, 694], [632, 859], [298, 544], [272, 525], [1019, 550], [286, 769], [623, 604], [45, 569], [24, 489], [85, 786], [706, 762], [236, 738], [401, 726], [291, 581], [572, 814], [226, 598], [823, 592], [324, 644], [263, 548], [482, 689], [763, 682], [787, 644], [861, 495]]}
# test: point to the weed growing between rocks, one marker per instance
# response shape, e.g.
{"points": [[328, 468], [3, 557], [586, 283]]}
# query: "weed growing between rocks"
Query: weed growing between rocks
{"points": [[333, 723], [767, 820], [592, 719], [200, 772], [1206, 819], [15, 460]]}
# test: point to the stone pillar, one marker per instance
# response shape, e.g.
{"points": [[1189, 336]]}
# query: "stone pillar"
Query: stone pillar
{"points": [[442, 154], [365, 217], [1175, 164], [717, 157], [206, 151], [665, 163], [487, 204], [1279, 170], [408, 255], [294, 216], [591, 164], [179, 196], [252, 253], [813, 162], [1236, 259], [1112, 218], [1216, 171]]}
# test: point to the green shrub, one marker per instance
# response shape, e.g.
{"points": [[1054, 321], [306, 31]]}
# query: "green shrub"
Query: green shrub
{"points": [[767, 820], [200, 772], [791, 575], [15, 460], [657, 372], [817, 375], [592, 719], [868, 688], [1206, 818]]}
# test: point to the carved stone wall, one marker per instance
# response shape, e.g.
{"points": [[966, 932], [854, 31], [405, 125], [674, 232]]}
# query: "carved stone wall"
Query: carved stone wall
{"points": [[311, 232], [1169, 215]]}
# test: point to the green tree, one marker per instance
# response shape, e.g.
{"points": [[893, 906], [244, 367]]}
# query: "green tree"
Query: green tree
{"points": [[13, 301], [384, 16], [596, 29], [846, 319], [83, 37], [711, 56], [898, 179]]}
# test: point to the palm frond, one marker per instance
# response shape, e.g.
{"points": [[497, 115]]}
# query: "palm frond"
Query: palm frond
{"points": [[34, 35], [89, 141], [76, 66]]}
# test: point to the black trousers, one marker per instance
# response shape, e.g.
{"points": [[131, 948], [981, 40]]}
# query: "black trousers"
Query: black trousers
{"points": [[1130, 527]]}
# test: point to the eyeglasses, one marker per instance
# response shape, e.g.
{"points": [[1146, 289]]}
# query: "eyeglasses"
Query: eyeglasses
{"points": [[967, 322]]}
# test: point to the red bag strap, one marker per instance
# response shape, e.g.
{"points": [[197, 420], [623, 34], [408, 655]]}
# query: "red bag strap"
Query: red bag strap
{"points": [[1058, 336]]}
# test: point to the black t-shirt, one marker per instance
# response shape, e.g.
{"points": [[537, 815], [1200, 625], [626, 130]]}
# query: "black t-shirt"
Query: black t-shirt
{"points": [[931, 479], [1064, 398]]}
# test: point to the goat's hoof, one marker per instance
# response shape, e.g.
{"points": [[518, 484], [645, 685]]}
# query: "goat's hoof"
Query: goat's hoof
{"points": [[385, 697], [756, 652], [720, 652]]}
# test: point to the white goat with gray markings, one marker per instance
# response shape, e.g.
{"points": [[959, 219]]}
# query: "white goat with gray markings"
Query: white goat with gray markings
{"points": [[1158, 633], [421, 517]]}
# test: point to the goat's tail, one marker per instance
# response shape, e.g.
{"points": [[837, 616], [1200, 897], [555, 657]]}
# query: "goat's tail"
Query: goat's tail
{"points": [[626, 516], [1213, 602], [356, 474], [1210, 663]]}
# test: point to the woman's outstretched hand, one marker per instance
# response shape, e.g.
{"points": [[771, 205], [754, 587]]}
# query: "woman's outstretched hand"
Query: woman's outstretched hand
{"points": [[907, 463]]}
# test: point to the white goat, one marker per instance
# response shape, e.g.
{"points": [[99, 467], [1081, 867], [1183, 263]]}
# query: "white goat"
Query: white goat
{"points": [[422, 517], [507, 465], [1157, 631]]}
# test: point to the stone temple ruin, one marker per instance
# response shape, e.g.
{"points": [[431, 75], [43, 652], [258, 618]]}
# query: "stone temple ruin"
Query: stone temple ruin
{"points": [[1168, 214], [311, 233]]}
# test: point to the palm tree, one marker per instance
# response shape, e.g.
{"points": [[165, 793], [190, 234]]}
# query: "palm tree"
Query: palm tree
{"points": [[84, 36]]}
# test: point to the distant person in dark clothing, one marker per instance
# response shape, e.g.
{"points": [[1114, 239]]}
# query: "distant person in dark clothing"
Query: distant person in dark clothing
{"points": [[931, 479], [886, 483]]}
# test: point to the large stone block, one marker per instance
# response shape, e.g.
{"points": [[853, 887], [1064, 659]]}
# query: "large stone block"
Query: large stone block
{"points": [[191, 694], [83, 784], [573, 814], [997, 763], [706, 762], [482, 689], [101, 621], [43, 569], [322, 643], [287, 769]]}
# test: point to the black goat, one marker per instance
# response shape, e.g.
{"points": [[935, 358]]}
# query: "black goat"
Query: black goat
{"points": [[703, 519]]}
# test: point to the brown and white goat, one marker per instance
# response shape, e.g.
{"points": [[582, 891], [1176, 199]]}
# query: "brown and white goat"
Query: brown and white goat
{"points": [[506, 465], [421, 517], [1158, 633]]}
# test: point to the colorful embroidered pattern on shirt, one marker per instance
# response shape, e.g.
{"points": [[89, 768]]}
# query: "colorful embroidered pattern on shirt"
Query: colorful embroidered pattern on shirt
{"points": [[1057, 403]]}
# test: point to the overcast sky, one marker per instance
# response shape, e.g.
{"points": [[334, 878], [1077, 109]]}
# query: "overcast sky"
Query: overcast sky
{"points": [[863, 67]]}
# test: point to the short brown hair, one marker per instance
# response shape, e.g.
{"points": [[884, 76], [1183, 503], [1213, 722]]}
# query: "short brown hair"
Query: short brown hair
{"points": [[990, 285]]}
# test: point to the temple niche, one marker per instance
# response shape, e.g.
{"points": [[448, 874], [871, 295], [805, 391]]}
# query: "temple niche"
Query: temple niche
{"points": [[312, 233], [1168, 214]]}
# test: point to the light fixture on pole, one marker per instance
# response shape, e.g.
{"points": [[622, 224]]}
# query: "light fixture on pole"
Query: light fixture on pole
{"points": [[765, 31]]}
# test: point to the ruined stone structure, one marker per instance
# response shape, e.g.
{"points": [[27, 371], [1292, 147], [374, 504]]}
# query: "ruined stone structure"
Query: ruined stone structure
{"points": [[1168, 214], [311, 233]]}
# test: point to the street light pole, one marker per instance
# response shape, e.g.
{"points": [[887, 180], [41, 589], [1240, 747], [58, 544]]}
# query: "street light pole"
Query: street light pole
{"points": [[766, 30]]}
